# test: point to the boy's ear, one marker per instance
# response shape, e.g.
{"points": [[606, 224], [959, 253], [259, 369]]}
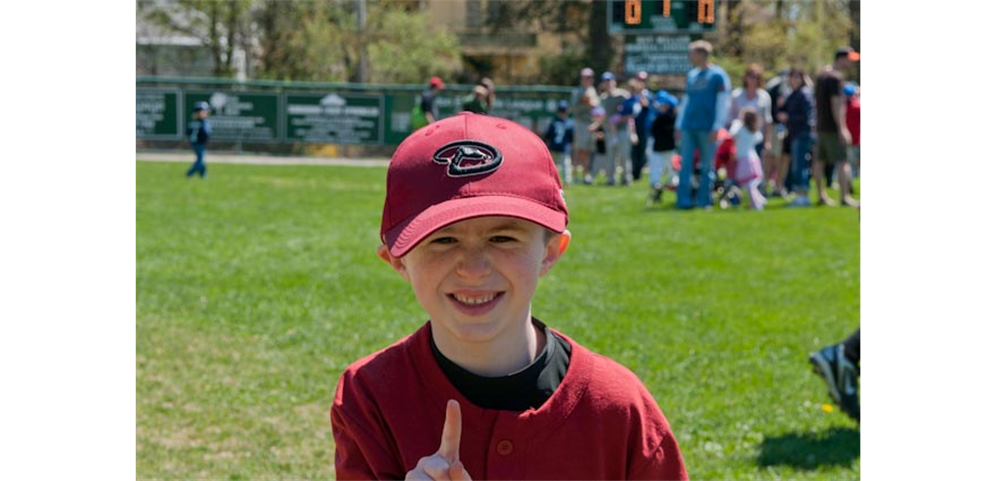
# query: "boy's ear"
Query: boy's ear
{"points": [[394, 262], [555, 248]]}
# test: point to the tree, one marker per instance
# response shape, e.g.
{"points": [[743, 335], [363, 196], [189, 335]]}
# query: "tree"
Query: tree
{"points": [[732, 40], [783, 33], [406, 48], [304, 40], [855, 32], [321, 41], [584, 20], [600, 42], [220, 25]]}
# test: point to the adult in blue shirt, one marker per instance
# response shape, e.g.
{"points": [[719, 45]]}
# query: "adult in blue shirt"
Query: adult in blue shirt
{"points": [[703, 112]]}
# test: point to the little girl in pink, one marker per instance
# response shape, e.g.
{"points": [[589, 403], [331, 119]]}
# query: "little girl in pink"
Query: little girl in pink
{"points": [[748, 172]]}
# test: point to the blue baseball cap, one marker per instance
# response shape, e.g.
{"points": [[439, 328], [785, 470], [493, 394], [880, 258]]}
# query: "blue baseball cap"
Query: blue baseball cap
{"points": [[607, 76], [201, 106], [563, 106], [664, 97], [849, 89]]}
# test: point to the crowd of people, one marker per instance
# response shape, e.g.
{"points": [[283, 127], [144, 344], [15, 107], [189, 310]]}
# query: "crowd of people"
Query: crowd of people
{"points": [[769, 139], [774, 138]]}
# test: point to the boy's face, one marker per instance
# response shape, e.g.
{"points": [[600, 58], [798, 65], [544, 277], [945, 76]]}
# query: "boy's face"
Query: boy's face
{"points": [[476, 278]]}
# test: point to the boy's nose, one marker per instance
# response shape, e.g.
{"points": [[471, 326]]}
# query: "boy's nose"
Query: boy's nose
{"points": [[473, 264]]}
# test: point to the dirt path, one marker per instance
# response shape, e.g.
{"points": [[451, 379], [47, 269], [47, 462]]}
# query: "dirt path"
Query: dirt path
{"points": [[221, 158]]}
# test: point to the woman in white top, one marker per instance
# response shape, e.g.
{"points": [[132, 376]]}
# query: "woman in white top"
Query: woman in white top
{"points": [[753, 96]]}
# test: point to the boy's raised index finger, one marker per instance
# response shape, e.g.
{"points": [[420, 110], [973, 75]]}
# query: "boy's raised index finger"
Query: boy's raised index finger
{"points": [[451, 432]]}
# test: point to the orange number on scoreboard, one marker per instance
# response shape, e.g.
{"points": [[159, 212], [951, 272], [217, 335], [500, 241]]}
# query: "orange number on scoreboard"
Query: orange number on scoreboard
{"points": [[633, 12], [706, 11]]}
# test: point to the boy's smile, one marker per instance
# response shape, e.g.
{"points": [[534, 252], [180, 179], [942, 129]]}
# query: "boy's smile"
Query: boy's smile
{"points": [[475, 303]]}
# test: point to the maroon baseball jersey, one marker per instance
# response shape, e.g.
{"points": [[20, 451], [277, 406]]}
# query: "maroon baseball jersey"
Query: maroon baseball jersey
{"points": [[601, 423]]}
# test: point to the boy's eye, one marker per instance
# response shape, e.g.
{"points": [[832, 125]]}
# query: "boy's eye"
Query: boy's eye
{"points": [[502, 238], [444, 240]]}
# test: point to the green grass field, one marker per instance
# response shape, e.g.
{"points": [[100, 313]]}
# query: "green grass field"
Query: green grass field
{"points": [[256, 287]]}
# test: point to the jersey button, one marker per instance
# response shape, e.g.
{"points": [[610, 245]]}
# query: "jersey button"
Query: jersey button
{"points": [[505, 447]]}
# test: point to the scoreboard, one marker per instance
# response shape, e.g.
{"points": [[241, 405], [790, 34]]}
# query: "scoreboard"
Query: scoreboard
{"points": [[661, 16]]}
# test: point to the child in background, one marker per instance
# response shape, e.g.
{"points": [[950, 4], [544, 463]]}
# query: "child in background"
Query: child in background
{"points": [[559, 136], [852, 93], [199, 132], [748, 172], [662, 130], [600, 135]]}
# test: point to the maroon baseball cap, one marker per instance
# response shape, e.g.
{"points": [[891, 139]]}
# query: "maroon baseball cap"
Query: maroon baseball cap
{"points": [[468, 166]]}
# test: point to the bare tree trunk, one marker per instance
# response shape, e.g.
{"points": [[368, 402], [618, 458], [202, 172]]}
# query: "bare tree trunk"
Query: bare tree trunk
{"points": [[231, 34], [735, 28], [362, 67], [855, 32], [267, 26], [599, 47], [214, 40]]}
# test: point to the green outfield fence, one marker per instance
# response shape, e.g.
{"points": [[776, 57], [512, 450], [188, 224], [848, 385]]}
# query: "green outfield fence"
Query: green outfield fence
{"points": [[283, 116]]}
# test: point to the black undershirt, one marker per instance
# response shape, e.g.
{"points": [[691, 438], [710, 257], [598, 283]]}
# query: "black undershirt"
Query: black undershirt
{"points": [[528, 388]]}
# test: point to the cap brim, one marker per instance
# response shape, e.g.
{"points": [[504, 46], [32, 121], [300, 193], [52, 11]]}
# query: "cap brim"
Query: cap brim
{"points": [[407, 234], [853, 56]]}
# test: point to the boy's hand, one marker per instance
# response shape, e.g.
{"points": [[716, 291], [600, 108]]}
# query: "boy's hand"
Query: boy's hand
{"points": [[444, 464]]}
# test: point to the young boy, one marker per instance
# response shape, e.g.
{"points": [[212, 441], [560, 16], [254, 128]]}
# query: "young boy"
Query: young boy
{"points": [[559, 136], [199, 132], [474, 215], [661, 170]]}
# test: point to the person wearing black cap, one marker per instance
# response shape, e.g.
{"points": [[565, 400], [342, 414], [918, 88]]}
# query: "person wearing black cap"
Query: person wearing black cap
{"points": [[199, 132]]}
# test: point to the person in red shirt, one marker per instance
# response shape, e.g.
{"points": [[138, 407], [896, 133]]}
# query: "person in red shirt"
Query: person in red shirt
{"points": [[474, 215], [852, 93]]}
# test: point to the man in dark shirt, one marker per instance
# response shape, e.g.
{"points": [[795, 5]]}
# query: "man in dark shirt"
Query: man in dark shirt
{"points": [[428, 99], [834, 138]]}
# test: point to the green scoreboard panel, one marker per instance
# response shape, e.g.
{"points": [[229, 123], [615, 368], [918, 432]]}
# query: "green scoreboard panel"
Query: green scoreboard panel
{"points": [[661, 16], [335, 118], [157, 114], [239, 115]]}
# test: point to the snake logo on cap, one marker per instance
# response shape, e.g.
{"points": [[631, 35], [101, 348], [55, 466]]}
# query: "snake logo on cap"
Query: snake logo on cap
{"points": [[468, 157]]}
